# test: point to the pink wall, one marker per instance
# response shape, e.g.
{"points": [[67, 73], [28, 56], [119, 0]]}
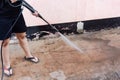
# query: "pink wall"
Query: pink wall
{"points": [[61, 11]]}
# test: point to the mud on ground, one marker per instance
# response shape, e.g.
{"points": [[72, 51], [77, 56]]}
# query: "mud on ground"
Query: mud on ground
{"points": [[59, 61]]}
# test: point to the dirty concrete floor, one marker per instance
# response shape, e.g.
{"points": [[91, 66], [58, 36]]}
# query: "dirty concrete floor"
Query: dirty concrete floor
{"points": [[59, 61]]}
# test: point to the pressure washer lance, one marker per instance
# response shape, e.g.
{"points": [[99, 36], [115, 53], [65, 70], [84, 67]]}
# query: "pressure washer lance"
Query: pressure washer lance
{"points": [[24, 3]]}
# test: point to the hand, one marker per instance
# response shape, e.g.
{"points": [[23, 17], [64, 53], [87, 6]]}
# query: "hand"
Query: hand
{"points": [[13, 1], [35, 14]]}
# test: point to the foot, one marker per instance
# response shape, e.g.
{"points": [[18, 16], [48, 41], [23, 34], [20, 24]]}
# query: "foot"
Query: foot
{"points": [[8, 71], [32, 59]]}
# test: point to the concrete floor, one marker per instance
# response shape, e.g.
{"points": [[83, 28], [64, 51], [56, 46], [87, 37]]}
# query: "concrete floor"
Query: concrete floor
{"points": [[59, 61]]}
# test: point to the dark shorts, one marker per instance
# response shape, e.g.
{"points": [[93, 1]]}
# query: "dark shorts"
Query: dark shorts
{"points": [[7, 22]]}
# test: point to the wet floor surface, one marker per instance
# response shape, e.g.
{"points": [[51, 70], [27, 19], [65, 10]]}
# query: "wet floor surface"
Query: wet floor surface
{"points": [[59, 61]]}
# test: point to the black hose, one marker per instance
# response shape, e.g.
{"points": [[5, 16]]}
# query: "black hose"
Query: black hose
{"points": [[48, 23], [12, 4], [2, 76]]}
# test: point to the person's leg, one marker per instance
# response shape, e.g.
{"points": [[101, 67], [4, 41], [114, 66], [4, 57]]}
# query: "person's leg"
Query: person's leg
{"points": [[6, 57], [24, 44], [5, 53]]}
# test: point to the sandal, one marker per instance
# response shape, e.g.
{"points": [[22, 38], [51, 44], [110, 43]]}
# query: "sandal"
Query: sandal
{"points": [[8, 71], [32, 59]]}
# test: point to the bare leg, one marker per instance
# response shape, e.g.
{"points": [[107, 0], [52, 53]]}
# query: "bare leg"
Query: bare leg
{"points": [[6, 57], [24, 44], [5, 53]]}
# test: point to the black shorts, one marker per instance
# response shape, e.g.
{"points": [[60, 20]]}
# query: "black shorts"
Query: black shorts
{"points": [[6, 24]]}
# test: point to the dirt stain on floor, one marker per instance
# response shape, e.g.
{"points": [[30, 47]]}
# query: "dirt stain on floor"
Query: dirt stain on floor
{"points": [[100, 60]]}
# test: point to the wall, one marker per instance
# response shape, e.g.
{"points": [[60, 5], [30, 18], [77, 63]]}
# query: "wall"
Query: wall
{"points": [[63, 11]]}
